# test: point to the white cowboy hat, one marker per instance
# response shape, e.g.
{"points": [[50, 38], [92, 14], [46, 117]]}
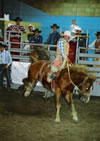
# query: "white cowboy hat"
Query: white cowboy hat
{"points": [[77, 28], [30, 25], [67, 33]]}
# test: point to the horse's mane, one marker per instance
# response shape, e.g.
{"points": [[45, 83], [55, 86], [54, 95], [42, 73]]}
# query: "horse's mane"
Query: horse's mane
{"points": [[81, 69], [77, 69]]}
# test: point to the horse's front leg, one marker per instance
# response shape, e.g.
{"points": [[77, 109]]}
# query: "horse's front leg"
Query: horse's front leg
{"points": [[70, 101], [29, 88], [74, 113], [58, 104]]}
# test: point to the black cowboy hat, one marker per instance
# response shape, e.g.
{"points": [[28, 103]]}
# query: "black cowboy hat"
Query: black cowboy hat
{"points": [[55, 25], [17, 19], [37, 30], [98, 33]]}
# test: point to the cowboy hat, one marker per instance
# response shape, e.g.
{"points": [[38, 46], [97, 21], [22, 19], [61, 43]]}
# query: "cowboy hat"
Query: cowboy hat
{"points": [[37, 30], [98, 33], [77, 28], [17, 19], [55, 25], [67, 33], [30, 25]]}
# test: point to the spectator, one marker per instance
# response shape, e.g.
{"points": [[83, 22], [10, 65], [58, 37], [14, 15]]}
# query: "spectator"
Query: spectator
{"points": [[54, 36], [5, 62], [75, 29], [37, 38], [96, 44], [75, 33], [78, 30], [17, 26], [72, 27], [31, 32], [14, 35]]}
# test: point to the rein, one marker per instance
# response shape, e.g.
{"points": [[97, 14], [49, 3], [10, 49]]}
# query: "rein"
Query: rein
{"points": [[86, 78], [75, 86]]}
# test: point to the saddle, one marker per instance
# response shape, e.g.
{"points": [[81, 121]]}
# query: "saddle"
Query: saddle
{"points": [[54, 75]]}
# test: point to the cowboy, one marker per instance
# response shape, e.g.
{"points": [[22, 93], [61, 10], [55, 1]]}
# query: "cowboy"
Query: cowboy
{"points": [[73, 26], [31, 32], [75, 29], [14, 35], [5, 62], [37, 38], [54, 36], [78, 30], [61, 55], [17, 26], [96, 44]]}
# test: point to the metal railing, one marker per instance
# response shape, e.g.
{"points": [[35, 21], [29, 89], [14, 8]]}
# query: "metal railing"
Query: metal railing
{"points": [[91, 60]]}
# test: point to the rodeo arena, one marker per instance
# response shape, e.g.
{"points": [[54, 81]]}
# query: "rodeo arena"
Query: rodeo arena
{"points": [[49, 71]]}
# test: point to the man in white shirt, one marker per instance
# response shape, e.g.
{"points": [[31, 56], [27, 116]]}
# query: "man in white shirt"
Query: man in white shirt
{"points": [[5, 62], [96, 43]]}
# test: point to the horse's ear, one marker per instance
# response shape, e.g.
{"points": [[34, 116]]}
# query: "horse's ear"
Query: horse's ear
{"points": [[92, 78]]}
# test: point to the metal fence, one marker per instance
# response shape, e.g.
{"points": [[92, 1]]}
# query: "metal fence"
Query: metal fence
{"points": [[89, 58]]}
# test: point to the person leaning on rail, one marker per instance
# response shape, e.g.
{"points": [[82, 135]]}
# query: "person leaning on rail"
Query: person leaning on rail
{"points": [[30, 33], [61, 55], [96, 44], [36, 38], [17, 27], [54, 36], [5, 62]]}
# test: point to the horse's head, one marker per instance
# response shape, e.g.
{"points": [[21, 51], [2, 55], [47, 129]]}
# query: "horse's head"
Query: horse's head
{"points": [[86, 87]]}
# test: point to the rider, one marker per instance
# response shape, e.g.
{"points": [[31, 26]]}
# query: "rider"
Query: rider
{"points": [[61, 55]]}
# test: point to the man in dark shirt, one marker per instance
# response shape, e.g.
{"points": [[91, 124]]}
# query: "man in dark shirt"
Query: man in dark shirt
{"points": [[54, 36], [36, 38], [31, 32]]}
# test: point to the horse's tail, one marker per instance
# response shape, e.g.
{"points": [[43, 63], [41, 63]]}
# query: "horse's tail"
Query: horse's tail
{"points": [[34, 56]]}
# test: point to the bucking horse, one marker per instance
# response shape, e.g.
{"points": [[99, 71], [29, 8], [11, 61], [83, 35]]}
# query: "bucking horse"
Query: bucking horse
{"points": [[65, 82]]}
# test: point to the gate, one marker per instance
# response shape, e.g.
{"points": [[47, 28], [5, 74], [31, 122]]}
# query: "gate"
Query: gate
{"points": [[92, 60]]}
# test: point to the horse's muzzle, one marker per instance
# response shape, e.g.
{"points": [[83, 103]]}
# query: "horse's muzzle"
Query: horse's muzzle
{"points": [[85, 99]]}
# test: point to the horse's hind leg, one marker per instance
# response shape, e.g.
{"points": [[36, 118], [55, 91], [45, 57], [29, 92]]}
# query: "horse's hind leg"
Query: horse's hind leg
{"points": [[58, 104], [69, 99], [29, 88]]}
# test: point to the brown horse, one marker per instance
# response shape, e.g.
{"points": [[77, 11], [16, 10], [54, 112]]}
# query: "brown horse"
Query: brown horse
{"points": [[38, 71]]}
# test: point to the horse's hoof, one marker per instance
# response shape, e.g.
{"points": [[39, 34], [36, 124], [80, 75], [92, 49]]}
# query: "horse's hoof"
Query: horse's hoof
{"points": [[57, 120], [75, 118]]}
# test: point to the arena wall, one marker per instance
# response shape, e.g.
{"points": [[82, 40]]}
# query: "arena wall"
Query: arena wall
{"points": [[62, 12]]}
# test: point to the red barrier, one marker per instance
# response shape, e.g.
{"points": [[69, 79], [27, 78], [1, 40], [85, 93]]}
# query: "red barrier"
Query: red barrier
{"points": [[72, 51]]}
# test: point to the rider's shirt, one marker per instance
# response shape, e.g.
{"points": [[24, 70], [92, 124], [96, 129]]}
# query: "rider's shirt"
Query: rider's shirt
{"points": [[63, 47]]}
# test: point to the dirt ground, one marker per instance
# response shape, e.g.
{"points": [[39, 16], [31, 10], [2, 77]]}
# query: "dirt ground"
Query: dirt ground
{"points": [[32, 119]]}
